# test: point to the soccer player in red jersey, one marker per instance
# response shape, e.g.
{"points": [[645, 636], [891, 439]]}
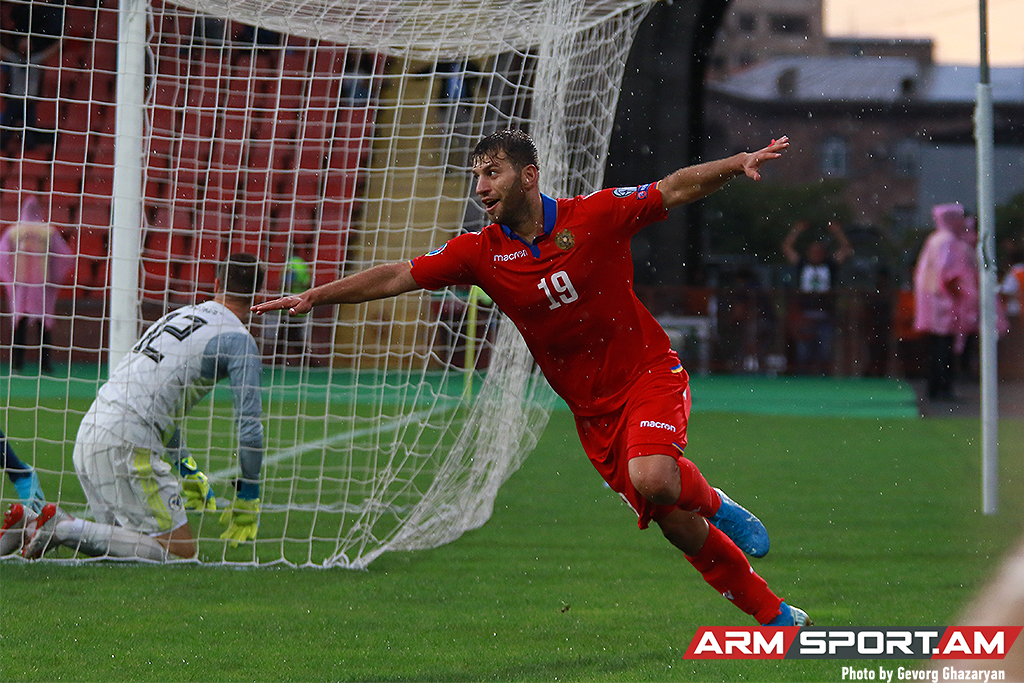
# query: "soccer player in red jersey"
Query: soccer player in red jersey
{"points": [[561, 270]]}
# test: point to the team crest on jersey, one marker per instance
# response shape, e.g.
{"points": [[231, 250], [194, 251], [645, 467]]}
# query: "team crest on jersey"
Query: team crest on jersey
{"points": [[438, 250], [623, 191], [565, 240]]}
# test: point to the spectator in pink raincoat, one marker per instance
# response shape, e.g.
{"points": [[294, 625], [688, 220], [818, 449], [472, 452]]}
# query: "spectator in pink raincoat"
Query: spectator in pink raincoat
{"points": [[35, 262], [945, 295]]}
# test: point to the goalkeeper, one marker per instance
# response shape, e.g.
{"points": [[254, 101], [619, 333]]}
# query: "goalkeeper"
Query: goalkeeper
{"points": [[137, 497], [561, 270]]}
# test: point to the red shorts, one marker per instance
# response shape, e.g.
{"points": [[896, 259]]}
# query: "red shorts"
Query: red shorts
{"points": [[652, 421]]}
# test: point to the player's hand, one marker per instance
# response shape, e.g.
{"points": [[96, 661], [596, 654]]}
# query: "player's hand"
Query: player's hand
{"points": [[242, 519], [752, 162], [296, 305], [195, 487]]}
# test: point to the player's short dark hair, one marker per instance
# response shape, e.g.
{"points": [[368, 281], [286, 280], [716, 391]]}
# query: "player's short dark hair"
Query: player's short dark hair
{"points": [[517, 146], [241, 275]]}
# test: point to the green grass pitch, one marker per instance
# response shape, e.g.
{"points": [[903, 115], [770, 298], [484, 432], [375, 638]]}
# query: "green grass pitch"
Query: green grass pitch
{"points": [[875, 521]]}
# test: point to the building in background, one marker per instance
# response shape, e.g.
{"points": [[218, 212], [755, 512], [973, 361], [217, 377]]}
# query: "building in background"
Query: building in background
{"points": [[753, 31], [898, 131], [876, 113]]}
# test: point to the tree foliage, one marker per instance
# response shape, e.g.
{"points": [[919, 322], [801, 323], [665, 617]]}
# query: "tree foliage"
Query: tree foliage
{"points": [[752, 219], [1010, 220]]}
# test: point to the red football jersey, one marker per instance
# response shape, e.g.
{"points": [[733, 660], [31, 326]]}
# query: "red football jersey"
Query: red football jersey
{"points": [[570, 293]]}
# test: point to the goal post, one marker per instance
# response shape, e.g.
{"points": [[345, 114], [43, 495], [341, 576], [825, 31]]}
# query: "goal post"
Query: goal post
{"points": [[337, 133]]}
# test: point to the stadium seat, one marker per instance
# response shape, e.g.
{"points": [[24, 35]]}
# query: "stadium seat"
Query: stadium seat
{"points": [[329, 256], [310, 155], [79, 22], [102, 154], [323, 91], [222, 184], [72, 147], [30, 172], [158, 267], [168, 88], [340, 185], [46, 106], [164, 118], [246, 243], [194, 151], [336, 215], [65, 198], [345, 156], [198, 123], [283, 160], [175, 220], [236, 120], [256, 182], [75, 116], [98, 181], [10, 206], [103, 71], [106, 23], [93, 259], [229, 153], [51, 85], [95, 215], [183, 187], [204, 84], [215, 216], [207, 252]]}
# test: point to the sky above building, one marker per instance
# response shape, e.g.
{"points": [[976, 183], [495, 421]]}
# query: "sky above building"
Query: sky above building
{"points": [[952, 24]]}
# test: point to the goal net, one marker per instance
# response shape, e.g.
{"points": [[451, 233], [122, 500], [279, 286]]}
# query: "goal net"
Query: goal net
{"points": [[325, 138]]}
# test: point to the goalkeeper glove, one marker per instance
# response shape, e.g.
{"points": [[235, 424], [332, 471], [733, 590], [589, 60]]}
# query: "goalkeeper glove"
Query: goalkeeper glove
{"points": [[242, 518], [195, 487]]}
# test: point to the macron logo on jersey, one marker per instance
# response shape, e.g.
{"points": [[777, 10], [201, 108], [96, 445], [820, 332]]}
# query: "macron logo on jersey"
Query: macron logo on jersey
{"points": [[498, 258], [657, 425]]}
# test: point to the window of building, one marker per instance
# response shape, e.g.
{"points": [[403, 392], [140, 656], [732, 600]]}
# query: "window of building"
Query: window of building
{"points": [[834, 157], [790, 24], [786, 82]]}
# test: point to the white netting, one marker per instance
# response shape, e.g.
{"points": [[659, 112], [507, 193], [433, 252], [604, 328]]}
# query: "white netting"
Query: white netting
{"points": [[338, 133]]}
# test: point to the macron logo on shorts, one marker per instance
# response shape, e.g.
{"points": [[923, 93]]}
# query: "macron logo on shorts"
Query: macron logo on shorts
{"points": [[657, 425]]}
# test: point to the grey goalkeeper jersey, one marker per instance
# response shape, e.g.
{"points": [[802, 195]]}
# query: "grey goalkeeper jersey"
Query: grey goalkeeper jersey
{"points": [[172, 367]]}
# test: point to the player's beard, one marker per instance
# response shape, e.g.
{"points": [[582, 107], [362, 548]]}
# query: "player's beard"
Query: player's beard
{"points": [[513, 211]]}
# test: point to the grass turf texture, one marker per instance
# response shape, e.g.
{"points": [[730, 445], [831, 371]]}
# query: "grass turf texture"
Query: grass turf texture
{"points": [[874, 522]]}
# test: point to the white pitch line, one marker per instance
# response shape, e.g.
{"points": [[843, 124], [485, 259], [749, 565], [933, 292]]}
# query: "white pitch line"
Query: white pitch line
{"points": [[296, 451]]}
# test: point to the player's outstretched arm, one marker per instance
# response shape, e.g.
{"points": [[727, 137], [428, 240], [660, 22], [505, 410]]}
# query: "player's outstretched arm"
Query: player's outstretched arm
{"points": [[698, 181], [379, 282]]}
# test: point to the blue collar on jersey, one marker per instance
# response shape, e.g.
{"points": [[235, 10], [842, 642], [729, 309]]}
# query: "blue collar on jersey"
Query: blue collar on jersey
{"points": [[550, 215]]}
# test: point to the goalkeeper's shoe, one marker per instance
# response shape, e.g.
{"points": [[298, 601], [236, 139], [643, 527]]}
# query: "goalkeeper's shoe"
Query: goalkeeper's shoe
{"points": [[41, 535], [29, 490], [12, 534], [790, 616], [745, 530]]}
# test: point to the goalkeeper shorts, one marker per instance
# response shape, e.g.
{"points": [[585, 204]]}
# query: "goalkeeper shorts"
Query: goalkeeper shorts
{"points": [[127, 485], [652, 421]]}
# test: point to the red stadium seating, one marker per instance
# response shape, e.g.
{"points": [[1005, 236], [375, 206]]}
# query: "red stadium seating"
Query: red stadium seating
{"points": [[239, 144]]}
